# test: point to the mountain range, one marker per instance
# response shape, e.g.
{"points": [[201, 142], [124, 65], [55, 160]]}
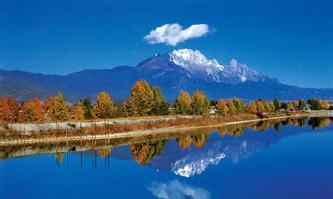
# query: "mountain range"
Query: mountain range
{"points": [[183, 69]]}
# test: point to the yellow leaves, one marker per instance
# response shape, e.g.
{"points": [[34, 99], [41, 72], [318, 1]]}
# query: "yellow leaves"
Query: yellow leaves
{"points": [[142, 99], [259, 105], [104, 106], [251, 107], [222, 107], [58, 110], [324, 104], [200, 103], [183, 103]]}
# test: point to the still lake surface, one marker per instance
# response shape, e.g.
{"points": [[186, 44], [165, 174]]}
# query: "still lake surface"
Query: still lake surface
{"points": [[292, 159]]}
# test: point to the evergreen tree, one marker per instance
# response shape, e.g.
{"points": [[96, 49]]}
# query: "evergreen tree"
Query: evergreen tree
{"points": [[277, 105], [301, 104], [315, 104], [160, 106], [86, 103]]}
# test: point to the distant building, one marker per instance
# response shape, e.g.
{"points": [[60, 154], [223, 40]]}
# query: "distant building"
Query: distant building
{"points": [[212, 110]]}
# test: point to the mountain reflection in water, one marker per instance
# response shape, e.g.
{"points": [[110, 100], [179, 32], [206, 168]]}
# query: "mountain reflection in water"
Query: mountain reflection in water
{"points": [[186, 153]]}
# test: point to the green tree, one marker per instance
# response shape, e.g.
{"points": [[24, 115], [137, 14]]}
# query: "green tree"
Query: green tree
{"points": [[315, 104], [182, 104], [277, 105], [86, 103], [160, 106], [200, 103], [301, 104], [104, 106]]}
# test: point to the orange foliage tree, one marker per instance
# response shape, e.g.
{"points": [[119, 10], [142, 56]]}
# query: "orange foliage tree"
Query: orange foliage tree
{"points": [[32, 111], [9, 109], [58, 110], [76, 112], [182, 104], [141, 101], [324, 104], [222, 107], [200, 103], [104, 106]]}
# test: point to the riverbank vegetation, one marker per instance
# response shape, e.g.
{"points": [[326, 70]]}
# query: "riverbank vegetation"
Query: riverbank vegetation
{"points": [[144, 100], [144, 148]]}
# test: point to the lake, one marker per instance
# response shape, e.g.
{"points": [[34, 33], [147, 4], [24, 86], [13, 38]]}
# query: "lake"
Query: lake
{"points": [[285, 159]]}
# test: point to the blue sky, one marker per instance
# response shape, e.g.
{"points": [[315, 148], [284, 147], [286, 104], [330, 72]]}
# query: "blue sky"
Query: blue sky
{"points": [[290, 40]]}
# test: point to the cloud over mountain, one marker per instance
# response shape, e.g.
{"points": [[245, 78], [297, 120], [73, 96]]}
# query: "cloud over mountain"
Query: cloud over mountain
{"points": [[172, 34]]}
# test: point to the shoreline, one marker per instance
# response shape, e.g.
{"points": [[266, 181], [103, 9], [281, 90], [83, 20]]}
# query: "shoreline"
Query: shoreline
{"points": [[137, 133]]}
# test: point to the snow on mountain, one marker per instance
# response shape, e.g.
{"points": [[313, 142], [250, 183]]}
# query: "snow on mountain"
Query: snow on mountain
{"points": [[197, 66], [188, 167]]}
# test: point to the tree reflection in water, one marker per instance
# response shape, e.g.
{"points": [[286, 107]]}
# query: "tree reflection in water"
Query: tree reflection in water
{"points": [[142, 153], [145, 148]]}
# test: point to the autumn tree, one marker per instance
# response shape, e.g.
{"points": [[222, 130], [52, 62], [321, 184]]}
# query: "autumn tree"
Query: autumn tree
{"points": [[58, 111], [47, 104], [259, 105], [231, 107], [236, 106], [77, 112], [160, 105], [200, 103], [141, 100], [104, 107], [251, 107], [32, 111], [182, 104], [9, 109], [239, 105], [324, 104], [222, 107]]}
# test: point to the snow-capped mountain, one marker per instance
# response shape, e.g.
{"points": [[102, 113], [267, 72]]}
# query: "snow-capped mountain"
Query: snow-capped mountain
{"points": [[197, 66], [183, 69]]}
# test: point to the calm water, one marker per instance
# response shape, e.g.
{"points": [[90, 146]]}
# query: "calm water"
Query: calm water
{"points": [[281, 161]]}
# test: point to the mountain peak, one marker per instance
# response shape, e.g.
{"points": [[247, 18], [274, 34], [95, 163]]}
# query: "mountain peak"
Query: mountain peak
{"points": [[186, 57], [198, 67]]}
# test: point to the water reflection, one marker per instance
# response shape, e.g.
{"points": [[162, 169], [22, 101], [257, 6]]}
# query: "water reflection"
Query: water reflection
{"points": [[177, 190], [183, 153]]}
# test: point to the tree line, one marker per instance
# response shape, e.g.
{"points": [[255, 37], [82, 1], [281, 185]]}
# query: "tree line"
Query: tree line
{"points": [[144, 100]]}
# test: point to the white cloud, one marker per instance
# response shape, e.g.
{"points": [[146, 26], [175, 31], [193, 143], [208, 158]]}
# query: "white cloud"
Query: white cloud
{"points": [[172, 34], [177, 190]]}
